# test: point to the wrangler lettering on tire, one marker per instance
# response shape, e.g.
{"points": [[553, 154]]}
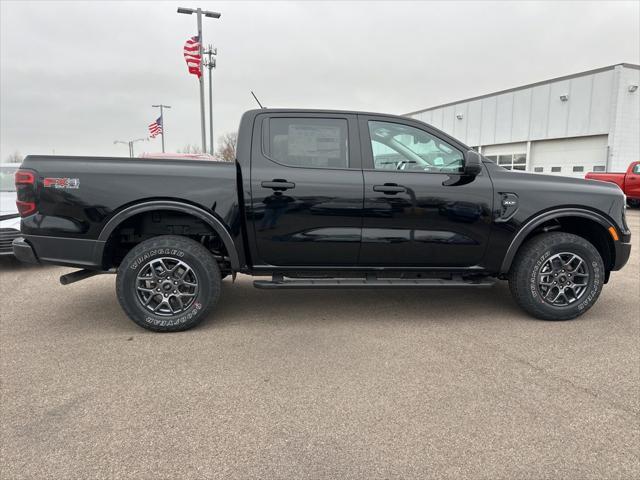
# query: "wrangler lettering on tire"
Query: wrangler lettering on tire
{"points": [[168, 283]]}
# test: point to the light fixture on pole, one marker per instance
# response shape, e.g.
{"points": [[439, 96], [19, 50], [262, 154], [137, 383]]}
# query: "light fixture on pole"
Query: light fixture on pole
{"points": [[130, 144], [199, 12]]}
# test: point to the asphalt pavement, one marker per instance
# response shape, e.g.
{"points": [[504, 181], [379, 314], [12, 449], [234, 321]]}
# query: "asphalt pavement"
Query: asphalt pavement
{"points": [[318, 384]]}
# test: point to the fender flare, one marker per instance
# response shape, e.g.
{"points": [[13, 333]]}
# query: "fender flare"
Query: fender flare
{"points": [[150, 206], [535, 222]]}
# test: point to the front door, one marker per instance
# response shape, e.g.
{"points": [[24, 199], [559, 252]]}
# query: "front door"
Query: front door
{"points": [[419, 210], [306, 190], [632, 182]]}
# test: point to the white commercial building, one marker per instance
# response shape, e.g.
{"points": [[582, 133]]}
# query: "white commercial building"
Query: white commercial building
{"points": [[570, 125]]}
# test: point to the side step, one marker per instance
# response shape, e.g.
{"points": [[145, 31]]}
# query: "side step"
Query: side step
{"points": [[81, 275], [455, 282]]}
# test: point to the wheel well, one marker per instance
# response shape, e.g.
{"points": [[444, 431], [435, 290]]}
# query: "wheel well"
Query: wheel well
{"points": [[586, 228], [145, 225]]}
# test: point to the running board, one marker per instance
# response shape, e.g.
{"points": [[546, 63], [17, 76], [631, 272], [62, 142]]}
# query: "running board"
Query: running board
{"points": [[81, 275], [280, 282]]}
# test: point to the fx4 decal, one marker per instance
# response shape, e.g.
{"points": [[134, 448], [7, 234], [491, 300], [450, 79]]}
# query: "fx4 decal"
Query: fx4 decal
{"points": [[50, 182]]}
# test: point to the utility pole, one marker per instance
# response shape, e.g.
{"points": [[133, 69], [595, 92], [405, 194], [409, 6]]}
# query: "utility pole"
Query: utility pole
{"points": [[199, 12], [130, 143], [162, 107], [211, 64]]}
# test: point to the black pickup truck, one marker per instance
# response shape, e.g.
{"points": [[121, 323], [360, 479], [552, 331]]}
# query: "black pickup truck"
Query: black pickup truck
{"points": [[321, 199]]}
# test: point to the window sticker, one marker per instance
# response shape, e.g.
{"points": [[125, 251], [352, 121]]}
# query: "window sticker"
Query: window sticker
{"points": [[314, 141]]}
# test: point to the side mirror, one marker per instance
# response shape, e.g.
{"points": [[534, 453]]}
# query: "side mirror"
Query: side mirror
{"points": [[473, 163]]}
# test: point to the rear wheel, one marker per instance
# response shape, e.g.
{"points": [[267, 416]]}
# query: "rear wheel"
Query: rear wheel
{"points": [[557, 276], [168, 283]]}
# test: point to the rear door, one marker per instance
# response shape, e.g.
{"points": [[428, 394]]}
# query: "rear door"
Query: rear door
{"points": [[306, 190], [419, 211]]}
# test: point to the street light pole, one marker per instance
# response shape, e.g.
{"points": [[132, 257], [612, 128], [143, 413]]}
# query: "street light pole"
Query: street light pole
{"points": [[199, 12], [162, 107], [211, 64], [130, 143]]}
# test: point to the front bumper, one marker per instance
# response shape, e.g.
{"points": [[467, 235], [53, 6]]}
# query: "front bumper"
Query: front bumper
{"points": [[623, 251]]}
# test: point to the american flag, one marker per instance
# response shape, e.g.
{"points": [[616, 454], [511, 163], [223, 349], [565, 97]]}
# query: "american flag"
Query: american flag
{"points": [[192, 56], [155, 128]]}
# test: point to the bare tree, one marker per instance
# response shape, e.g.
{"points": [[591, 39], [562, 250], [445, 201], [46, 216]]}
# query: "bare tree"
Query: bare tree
{"points": [[190, 149], [227, 147], [15, 157]]}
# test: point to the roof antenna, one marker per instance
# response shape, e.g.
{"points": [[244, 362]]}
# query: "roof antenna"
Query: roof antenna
{"points": [[256, 98]]}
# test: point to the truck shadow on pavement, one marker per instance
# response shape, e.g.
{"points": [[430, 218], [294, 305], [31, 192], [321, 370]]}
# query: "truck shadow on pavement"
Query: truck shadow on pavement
{"points": [[242, 303], [9, 263]]}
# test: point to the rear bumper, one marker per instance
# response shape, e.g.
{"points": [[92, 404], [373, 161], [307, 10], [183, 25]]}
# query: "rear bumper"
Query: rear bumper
{"points": [[7, 236], [9, 231], [70, 252], [23, 251]]}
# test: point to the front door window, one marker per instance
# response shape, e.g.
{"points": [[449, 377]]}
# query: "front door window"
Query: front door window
{"points": [[404, 148]]}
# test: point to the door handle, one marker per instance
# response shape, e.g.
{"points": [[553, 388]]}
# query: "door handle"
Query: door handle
{"points": [[390, 188], [278, 184]]}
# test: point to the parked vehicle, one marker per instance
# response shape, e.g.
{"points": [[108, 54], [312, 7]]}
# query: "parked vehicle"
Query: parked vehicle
{"points": [[629, 182], [177, 156], [322, 199], [9, 216]]}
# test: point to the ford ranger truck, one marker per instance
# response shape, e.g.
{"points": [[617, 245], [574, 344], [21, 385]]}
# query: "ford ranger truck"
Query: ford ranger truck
{"points": [[321, 199], [629, 182]]}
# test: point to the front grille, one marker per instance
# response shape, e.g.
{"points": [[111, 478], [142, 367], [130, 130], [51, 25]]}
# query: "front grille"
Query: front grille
{"points": [[7, 236]]}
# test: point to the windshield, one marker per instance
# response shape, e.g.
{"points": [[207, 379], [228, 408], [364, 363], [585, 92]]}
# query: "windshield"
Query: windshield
{"points": [[7, 178]]}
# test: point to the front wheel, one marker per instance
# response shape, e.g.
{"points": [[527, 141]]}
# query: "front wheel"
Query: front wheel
{"points": [[557, 276], [168, 283]]}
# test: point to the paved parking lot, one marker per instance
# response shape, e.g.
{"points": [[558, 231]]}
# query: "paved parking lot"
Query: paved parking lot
{"points": [[318, 384]]}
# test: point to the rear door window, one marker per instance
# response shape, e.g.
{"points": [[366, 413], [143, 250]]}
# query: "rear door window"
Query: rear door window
{"points": [[308, 142]]}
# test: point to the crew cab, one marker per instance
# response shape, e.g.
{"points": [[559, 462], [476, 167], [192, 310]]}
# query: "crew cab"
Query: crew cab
{"points": [[629, 181], [321, 199]]}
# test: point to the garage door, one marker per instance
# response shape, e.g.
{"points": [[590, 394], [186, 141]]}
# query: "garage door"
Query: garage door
{"points": [[572, 157]]}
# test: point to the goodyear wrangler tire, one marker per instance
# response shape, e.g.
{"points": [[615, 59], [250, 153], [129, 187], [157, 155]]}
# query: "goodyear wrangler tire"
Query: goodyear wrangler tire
{"points": [[557, 276], [168, 283]]}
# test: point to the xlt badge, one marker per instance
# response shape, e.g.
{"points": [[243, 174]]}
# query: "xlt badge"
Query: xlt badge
{"points": [[508, 206]]}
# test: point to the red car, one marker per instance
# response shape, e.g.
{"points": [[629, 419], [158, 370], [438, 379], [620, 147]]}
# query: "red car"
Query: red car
{"points": [[629, 182]]}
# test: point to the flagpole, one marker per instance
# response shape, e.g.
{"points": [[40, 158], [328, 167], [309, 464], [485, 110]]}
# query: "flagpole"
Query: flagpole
{"points": [[198, 11], [162, 107], [162, 123], [201, 79], [211, 64]]}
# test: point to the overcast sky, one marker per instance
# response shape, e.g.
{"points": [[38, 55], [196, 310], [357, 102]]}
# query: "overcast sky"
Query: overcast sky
{"points": [[75, 76]]}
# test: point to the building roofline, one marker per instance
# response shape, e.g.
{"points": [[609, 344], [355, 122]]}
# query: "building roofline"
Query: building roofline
{"points": [[529, 85]]}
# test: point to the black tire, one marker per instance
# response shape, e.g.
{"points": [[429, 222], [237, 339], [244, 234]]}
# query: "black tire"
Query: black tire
{"points": [[532, 276], [150, 272]]}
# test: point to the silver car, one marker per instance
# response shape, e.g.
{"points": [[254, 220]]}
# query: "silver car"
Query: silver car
{"points": [[9, 216]]}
